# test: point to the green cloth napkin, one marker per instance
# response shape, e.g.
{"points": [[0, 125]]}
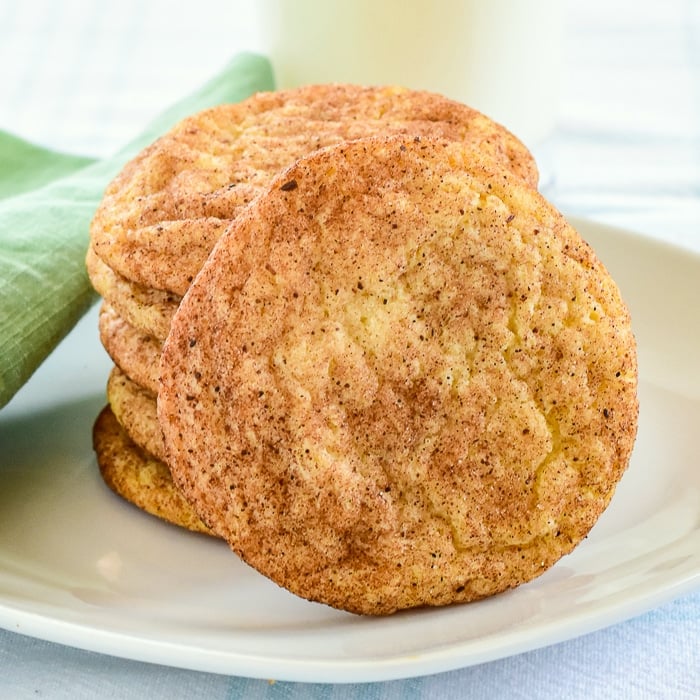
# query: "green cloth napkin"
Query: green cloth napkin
{"points": [[25, 167], [47, 201]]}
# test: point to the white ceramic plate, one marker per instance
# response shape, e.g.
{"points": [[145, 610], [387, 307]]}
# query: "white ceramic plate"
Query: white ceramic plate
{"points": [[80, 567]]}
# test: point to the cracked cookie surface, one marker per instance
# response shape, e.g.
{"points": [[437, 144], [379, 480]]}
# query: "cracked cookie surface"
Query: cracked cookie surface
{"points": [[161, 216], [401, 379]]}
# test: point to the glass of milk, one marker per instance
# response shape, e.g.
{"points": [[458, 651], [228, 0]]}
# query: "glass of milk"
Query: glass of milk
{"points": [[501, 57]]}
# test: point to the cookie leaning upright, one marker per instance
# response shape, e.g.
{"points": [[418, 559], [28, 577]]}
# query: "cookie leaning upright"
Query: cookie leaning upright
{"points": [[401, 379]]}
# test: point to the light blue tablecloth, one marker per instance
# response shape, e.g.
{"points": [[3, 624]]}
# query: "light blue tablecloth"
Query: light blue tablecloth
{"points": [[83, 77]]}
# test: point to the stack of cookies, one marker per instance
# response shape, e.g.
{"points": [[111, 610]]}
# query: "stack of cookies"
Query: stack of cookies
{"points": [[163, 214], [353, 340]]}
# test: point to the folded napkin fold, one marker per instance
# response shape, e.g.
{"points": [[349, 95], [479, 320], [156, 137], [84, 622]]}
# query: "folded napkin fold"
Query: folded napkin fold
{"points": [[47, 200]]}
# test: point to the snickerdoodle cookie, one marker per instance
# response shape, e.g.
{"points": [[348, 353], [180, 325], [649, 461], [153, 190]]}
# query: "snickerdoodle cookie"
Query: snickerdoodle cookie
{"points": [[149, 310], [138, 477], [134, 351], [401, 379], [135, 409]]}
